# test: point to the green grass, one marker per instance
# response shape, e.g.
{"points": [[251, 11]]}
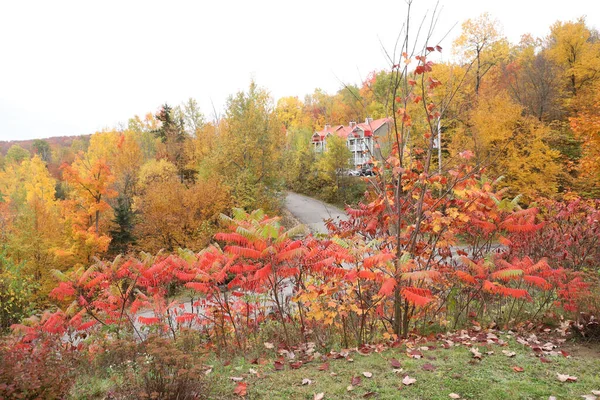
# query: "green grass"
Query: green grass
{"points": [[456, 372]]}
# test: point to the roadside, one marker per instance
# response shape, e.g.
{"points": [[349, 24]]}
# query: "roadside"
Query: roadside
{"points": [[312, 212]]}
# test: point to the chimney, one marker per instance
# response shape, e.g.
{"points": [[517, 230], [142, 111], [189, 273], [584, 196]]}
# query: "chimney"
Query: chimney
{"points": [[352, 124], [368, 120]]}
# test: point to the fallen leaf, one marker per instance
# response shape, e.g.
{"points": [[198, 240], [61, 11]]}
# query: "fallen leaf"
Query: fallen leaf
{"points": [[566, 378], [252, 371], [324, 367], [350, 388], [395, 363], [355, 381], [319, 396], [596, 392], [278, 365], [589, 397], [517, 369], [296, 365], [476, 353], [306, 381], [269, 345], [408, 380], [454, 396], [236, 378], [208, 371], [414, 354], [428, 367], [545, 360], [368, 395], [508, 353], [241, 389], [367, 374]]}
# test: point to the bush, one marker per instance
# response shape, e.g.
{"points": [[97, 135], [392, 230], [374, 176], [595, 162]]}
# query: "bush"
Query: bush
{"points": [[44, 370]]}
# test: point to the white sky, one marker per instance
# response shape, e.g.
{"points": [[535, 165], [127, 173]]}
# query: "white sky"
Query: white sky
{"points": [[74, 67]]}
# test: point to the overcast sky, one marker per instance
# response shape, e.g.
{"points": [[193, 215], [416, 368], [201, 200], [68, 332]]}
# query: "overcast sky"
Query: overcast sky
{"points": [[75, 67]]}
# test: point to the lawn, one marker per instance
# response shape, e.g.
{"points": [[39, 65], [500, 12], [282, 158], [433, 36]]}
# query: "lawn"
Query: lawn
{"points": [[441, 370]]}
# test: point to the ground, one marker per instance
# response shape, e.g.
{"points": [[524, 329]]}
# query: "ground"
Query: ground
{"points": [[439, 373]]}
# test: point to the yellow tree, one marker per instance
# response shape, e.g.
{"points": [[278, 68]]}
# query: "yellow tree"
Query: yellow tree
{"points": [[510, 145], [482, 44], [34, 223], [577, 49]]}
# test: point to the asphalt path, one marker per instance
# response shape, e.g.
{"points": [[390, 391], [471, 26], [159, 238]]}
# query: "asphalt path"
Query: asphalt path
{"points": [[312, 212]]}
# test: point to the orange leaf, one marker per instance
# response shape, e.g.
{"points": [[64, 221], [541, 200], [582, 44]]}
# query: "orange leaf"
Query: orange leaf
{"points": [[241, 389], [388, 287]]}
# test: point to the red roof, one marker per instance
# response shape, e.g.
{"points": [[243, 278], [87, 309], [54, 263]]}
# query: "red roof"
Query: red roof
{"points": [[345, 130]]}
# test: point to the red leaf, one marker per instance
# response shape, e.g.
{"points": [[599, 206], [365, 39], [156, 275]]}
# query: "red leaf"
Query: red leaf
{"points": [[324, 367], [517, 369], [241, 389], [388, 287], [296, 365], [278, 366], [395, 363], [355, 381], [148, 320], [414, 298], [366, 274]]}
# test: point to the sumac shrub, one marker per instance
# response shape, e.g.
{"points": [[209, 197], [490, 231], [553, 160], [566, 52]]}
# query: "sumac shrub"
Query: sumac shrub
{"points": [[568, 238]]}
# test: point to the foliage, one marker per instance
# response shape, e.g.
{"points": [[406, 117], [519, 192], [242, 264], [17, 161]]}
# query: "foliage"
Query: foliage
{"points": [[16, 293], [178, 216]]}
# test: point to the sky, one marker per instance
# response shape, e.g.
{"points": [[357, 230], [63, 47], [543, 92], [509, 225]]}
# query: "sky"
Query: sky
{"points": [[76, 67]]}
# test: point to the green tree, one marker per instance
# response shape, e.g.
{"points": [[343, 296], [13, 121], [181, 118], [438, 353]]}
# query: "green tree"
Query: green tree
{"points": [[42, 148], [249, 149], [16, 154]]}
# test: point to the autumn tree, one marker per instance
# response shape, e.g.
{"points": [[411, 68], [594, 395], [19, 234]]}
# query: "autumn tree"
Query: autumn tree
{"points": [[509, 145], [333, 165], [16, 154], [482, 44], [576, 48], [87, 208], [173, 215], [34, 219], [248, 150], [586, 126], [42, 148], [172, 137]]}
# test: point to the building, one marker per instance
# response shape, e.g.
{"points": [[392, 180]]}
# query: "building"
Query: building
{"points": [[360, 138]]}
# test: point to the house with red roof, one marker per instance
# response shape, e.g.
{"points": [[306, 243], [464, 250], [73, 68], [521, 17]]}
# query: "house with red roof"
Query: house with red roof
{"points": [[360, 138]]}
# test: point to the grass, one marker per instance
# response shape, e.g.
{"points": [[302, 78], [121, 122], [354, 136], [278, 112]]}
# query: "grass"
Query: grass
{"points": [[456, 371]]}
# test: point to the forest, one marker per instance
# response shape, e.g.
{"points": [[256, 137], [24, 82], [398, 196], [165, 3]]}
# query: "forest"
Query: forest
{"points": [[143, 260]]}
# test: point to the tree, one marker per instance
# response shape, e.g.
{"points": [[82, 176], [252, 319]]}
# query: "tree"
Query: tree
{"points": [[586, 126], [482, 44], [42, 148], [16, 154], [193, 119], [33, 218], [172, 136], [333, 166], [577, 49], [510, 145], [534, 80], [90, 187], [249, 148], [174, 216]]}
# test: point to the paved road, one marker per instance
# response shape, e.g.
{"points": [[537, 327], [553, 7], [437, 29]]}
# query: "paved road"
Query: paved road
{"points": [[312, 212]]}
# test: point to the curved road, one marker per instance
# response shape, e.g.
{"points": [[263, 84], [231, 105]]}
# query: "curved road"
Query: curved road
{"points": [[312, 212]]}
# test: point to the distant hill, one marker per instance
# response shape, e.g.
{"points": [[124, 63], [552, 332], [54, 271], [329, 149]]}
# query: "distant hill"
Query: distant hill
{"points": [[58, 141]]}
